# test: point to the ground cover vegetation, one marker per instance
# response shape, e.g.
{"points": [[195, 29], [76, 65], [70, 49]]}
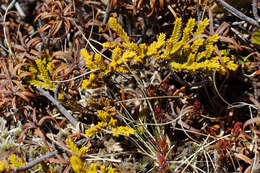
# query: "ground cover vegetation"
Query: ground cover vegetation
{"points": [[129, 86]]}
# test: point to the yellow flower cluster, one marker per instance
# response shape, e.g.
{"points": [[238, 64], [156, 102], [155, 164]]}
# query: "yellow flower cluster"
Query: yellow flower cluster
{"points": [[77, 159], [93, 168], [95, 63], [81, 152], [78, 163], [191, 54], [14, 161], [108, 122], [118, 29], [95, 129], [43, 71], [156, 47], [90, 83], [123, 130], [4, 165], [188, 53]]}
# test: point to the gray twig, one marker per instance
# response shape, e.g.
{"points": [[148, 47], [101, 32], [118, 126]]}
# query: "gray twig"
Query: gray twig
{"points": [[35, 162], [107, 12], [19, 9], [254, 7], [72, 120], [237, 13]]}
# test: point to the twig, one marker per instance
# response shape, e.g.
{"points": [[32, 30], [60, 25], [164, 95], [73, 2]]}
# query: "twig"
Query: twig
{"points": [[35, 162], [237, 13], [254, 7], [107, 12], [72, 120], [19, 9]]}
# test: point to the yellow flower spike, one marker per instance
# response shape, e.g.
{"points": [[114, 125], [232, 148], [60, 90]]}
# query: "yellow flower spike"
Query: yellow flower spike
{"points": [[110, 45], [118, 29], [90, 83], [88, 59], [93, 168], [191, 59], [196, 45], [112, 122], [213, 39], [112, 170], [209, 50], [161, 41], [117, 52], [133, 47], [43, 74], [16, 161], [139, 59], [188, 30], [72, 146], [4, 165], [83, 151], [176, 31], [124, 130], [103, 169], [176, 66], [95, 129], [152, 50], [122, 70], [100, 62], [128, 56], [78, 165], [103, 115], [85, 55], [201, 28], [143, 49]]}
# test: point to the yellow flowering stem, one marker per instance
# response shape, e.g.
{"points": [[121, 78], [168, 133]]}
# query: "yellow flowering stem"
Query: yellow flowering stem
{"points": [[118, 29]]}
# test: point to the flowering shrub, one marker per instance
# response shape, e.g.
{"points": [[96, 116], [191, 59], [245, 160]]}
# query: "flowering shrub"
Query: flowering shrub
{"points": [[187, 52]]}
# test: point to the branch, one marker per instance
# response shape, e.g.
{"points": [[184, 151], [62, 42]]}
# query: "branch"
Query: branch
{"points": [[254, 7], [35, 162], [72, 120], [236, 13]]}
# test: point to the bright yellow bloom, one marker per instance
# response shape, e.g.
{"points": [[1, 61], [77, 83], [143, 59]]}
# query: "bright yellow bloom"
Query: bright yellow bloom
{"points": [[103, 115], [90, 83], [78, 165], [118, 29], [124, 130], [95, 129], [110, 45], [93, 168], [201, 28], [4, 165], [112, 122], [187, 32]]}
